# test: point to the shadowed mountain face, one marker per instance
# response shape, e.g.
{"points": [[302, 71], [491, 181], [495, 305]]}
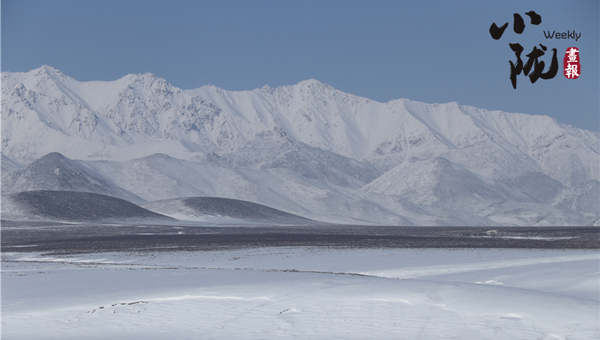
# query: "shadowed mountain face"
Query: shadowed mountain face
{"points": [[239, 209], [8, 165], [225, 207], [276, 151], [540, 187], [72, 206], [436, 181], [57, 172], [429, 192], [307, 149], [582, 198]]}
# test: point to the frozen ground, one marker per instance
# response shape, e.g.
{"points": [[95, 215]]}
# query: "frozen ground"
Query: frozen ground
{"points": [[304, 293]]}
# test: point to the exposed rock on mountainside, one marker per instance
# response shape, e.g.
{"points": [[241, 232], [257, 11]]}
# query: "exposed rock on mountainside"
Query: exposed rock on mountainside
{"points": [[307, 149]]}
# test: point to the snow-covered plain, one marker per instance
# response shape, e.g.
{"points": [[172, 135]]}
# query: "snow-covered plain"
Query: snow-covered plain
{"points": [[318, 293]]}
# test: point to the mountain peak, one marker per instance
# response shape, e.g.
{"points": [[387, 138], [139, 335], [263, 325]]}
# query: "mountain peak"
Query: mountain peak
{"points": [[312, 82], [48, 68], [54, 156], [448, 156], [46, 71], [140, 77]]}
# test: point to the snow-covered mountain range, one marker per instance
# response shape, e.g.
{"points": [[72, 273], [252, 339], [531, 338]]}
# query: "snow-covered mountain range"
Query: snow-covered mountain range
{"points": [[306, 149]]}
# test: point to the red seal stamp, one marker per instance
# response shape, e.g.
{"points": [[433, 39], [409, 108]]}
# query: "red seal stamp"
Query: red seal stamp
{"points": [[571, 63]]}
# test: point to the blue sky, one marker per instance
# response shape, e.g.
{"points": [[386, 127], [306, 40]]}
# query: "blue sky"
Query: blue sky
{"points": [[429, 51]]}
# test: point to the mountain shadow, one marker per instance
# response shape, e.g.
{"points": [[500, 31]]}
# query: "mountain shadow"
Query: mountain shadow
{"points": [[58, 173], [72, 206]]}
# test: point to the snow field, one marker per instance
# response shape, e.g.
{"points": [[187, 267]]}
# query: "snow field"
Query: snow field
{"points": [[307, 292]]}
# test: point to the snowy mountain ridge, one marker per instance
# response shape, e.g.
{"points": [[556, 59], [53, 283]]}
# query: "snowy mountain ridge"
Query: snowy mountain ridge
{"points": [[139, 115], [379, 162]]}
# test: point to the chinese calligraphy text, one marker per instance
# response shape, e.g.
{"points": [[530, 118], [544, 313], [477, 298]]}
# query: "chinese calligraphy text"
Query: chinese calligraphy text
{"points": [[533, 62]]}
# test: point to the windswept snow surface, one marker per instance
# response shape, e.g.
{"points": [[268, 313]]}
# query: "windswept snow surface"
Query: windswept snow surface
{"points": [[274, 293]]}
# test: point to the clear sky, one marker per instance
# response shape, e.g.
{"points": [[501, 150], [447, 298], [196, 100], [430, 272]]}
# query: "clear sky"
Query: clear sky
{"points": [[429, 51]]}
